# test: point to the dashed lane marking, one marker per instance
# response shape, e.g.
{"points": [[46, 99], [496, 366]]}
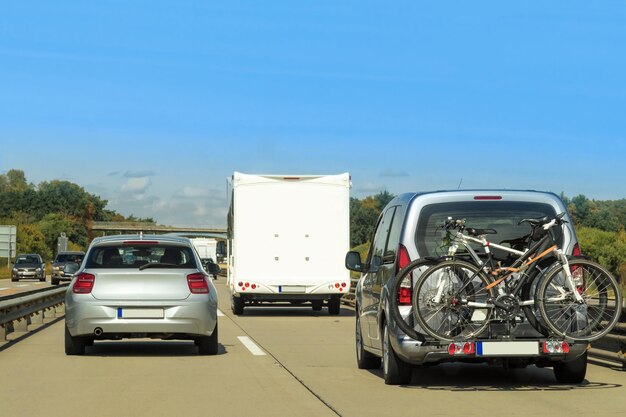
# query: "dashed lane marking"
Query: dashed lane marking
{"points": [[252, 347], [219, 313]]}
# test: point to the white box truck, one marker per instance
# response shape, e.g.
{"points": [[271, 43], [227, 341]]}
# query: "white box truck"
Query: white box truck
{"points": [[288, 235], [207, 250]]}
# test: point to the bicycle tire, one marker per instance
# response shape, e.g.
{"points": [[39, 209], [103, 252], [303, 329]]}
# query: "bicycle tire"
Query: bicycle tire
{"points": [[466, 281], [591, 320], [394, 310], [529, 291]]}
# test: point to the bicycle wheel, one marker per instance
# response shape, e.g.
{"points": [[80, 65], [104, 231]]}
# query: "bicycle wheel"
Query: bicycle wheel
{"points": [[529, 291], [405, 281], [589, 320], [443, 301]]}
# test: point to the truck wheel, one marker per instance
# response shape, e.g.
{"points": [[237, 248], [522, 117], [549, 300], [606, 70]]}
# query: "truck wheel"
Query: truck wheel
{"points": [[317, 305], [571, 372], [74, 345], [334, 306], [236, 304], [208, 345]]}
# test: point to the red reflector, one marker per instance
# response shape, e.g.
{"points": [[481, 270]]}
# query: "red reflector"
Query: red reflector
{"points": [[487, 197], [197, 283], [451, 349], [240, 284], [343, 285], [141, 242], [565, 347], [84, 283], [253, 286], [247, 284], [404, 296], [468, 348]]}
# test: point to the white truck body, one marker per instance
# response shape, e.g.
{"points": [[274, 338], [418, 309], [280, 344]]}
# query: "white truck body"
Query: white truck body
{"points": [[288, 236], [206, 247]]}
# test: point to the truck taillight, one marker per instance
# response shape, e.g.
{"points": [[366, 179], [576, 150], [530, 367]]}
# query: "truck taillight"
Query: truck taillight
{"points": [[84, 283], [406, 288], [197, 283]]}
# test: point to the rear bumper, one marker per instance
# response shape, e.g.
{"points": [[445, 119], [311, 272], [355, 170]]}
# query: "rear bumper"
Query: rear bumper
{"points": [[192, 319], [417, 353]]}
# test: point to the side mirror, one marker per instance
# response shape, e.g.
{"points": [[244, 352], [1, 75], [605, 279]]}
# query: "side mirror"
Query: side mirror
{"points": [[353, 261], [70, 268], [214, 269]]}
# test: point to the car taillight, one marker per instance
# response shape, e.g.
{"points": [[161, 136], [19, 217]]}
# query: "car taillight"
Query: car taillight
{"points": [[576, 251], [84, 283], [197, 283], [406, 288], [555, 347]]}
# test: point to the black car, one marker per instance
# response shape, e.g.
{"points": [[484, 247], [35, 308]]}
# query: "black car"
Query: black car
{"points": [[59, 263], [29, 266]]}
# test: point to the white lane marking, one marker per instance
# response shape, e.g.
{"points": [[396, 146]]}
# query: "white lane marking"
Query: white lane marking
{"points": [[2, 289], [252, 347], [219, 313]]}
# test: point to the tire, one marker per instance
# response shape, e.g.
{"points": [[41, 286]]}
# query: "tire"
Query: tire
{"points": [[364, 359], [14, 279], [571, 372], [334, 306], [395, 370], [591, 320], [236, 304], [208, 345], [411, 272], [54, 281], [317, 305], [529, 292], [450, 319], [42, 279], [74, 345]]}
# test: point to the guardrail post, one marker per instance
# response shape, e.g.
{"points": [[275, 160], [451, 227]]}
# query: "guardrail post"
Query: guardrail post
{"points": [[37, 318], [20, 325], [3, 334], [59, 310], [49, 313]]}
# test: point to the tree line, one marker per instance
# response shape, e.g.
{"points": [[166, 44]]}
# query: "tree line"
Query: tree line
{"points": [[600, 227], [42, 212]]}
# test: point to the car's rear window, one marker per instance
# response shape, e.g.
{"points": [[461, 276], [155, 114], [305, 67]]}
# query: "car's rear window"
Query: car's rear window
{"points": [[499, 215], [134, 256]]}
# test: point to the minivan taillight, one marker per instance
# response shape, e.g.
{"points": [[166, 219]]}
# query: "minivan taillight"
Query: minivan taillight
{"points": [[406, 288], [578, 273], [84, 283], [197, 283], [576, 251]]}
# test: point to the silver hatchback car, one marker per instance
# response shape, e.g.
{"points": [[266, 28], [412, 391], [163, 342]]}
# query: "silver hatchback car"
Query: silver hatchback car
{"points": [[135, 286]]}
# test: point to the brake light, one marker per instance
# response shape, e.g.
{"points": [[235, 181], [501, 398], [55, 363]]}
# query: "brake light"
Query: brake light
{"points": [[576, 251], [140, 242], [555, 347], [197, 283], [487, 197], [577, 272], [84, 283], [461, 348], [406, 289]]}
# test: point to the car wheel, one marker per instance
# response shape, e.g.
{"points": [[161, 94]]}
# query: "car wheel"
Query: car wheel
{"points": [[334, 306], [572, 372], [364, 359], [236, 304], [208, 345], [42, 279], [54, 281], [317, 305], [14, 279], [74, 345], [395, 370]]}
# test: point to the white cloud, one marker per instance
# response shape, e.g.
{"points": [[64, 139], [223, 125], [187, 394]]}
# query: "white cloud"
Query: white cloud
{"points": [[136, 185]]}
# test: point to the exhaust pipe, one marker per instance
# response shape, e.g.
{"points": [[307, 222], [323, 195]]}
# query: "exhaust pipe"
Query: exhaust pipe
{"points": [[97, 331]]}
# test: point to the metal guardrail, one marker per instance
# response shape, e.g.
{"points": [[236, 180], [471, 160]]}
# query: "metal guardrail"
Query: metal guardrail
{"points": [[18, 312]]}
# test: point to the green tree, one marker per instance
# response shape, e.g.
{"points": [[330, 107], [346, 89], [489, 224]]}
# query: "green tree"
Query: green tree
{"points": [[31, 240]]}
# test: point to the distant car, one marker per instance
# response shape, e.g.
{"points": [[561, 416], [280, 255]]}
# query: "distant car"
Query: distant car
{"points": [[409, 228], [133, 286], [59, 262], [28, 266]]}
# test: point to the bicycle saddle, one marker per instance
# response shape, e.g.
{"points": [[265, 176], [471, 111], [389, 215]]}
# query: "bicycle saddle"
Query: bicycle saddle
{"points": [[480, 232]]}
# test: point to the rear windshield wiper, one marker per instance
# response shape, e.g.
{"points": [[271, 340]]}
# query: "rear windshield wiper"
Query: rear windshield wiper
{"points": [[157, 265]]}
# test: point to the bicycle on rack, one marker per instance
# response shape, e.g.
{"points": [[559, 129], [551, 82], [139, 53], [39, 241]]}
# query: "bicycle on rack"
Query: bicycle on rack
{"points": [[457, 297]]}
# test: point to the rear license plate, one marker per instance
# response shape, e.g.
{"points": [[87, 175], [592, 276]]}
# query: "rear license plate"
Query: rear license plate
{"points": [[140, 313], [292, 288], [507, 348]]}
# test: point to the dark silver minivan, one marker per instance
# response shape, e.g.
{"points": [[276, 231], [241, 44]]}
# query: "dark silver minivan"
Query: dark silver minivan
{"points": [[409, 228]]}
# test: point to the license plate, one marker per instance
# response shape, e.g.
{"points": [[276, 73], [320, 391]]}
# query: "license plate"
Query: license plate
{"points": [[292, 288], [140, 313], [507, 348]]}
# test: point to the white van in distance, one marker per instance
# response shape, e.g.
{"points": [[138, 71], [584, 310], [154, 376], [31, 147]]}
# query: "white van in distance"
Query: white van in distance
{"points": [[287, 235]]}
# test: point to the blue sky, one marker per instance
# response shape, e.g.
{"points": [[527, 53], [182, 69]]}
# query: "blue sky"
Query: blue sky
{"points": [[153, 104]]}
